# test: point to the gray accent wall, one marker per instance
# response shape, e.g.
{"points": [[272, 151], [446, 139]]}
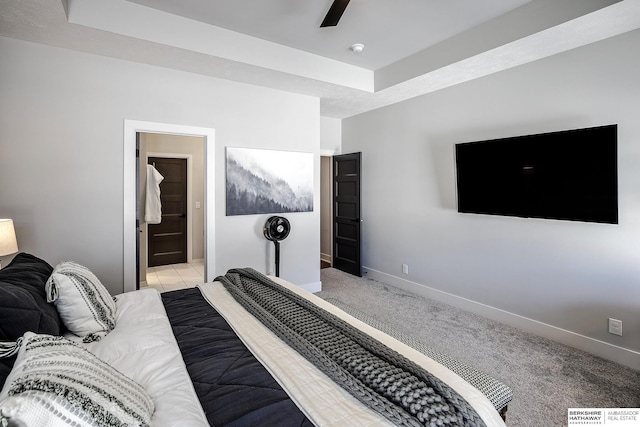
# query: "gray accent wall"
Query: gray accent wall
{"points": [[62, 119], [559, 278]]}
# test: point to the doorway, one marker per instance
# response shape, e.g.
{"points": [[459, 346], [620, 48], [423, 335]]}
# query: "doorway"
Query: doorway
{"points": [[340, 221], [133, 228], [177, 242], [346, 215], [326, 212]]}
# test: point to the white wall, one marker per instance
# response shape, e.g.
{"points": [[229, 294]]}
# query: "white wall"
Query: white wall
{"points": [[569, 276], [330, 135], [61, 161]]}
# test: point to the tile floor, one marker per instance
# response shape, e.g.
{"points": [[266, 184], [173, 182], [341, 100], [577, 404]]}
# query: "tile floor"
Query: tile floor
{"points": [[175, 276], [179, 276]]}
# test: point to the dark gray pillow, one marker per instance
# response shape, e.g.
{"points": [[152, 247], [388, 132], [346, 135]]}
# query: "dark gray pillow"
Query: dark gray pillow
{"points": [[23, 303]]}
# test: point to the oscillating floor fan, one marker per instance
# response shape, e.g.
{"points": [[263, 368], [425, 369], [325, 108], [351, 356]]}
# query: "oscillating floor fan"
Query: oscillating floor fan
{"points": [[275, 229]]}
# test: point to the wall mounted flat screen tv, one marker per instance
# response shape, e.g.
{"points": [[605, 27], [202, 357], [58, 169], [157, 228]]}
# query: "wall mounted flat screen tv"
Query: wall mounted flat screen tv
{"points": [[568, 175]]}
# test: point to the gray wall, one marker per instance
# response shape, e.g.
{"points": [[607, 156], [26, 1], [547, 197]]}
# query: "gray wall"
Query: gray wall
{"points": [[61, 158], [570, 276]]}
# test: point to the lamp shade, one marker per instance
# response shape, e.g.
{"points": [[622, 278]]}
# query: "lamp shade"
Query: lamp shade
{"points": [[8, 242]]}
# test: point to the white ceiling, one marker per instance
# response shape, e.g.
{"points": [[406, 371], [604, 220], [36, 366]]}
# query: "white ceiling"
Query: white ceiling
{"points": [[389, 29], [412, 47]]}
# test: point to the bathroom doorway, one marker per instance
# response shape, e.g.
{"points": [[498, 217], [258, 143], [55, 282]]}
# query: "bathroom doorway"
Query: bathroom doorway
{"points": [[132, 229], [177, 242]]}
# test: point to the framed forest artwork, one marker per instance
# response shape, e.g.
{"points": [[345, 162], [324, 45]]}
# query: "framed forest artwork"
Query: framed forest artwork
{"points": [[268, 181]]}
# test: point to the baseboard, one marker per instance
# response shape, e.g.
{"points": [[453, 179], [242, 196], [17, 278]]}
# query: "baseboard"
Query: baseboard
{"points": [[325, 257], [605, 350], [312, 287]]}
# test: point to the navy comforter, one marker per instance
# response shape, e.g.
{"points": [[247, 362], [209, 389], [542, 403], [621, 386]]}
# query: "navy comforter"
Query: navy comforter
{"points": [[233, 387]]}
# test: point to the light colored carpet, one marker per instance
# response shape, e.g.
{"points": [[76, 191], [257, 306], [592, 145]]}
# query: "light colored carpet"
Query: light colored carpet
{"points": [[547, 378]]}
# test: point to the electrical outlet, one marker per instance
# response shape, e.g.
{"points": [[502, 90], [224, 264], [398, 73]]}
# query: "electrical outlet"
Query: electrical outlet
{"points": [[405, 268], [615, 326]]}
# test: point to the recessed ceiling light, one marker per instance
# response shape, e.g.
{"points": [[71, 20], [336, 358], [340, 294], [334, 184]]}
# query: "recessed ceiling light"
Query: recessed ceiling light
{"points": [[357, 47]]}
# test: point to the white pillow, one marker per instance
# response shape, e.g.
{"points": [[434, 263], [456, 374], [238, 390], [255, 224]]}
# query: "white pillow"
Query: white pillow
{"points": [[83, 303], [56, 382]]}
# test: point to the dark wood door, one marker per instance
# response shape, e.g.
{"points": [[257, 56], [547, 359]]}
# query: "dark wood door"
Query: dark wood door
{"points": [[346, 213], [167, 241]]}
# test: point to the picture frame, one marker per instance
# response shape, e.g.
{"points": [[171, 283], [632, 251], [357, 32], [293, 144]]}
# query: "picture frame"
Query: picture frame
{"points": [[260, 181]]}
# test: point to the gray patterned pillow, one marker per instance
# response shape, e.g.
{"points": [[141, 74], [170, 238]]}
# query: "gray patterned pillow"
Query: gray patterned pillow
{"points": [[83, 303], [55, 381]]}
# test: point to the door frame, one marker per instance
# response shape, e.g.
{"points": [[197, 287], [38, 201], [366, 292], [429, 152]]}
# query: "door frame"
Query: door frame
{"points": [[131, 129], [189, 158], [328, 154]]}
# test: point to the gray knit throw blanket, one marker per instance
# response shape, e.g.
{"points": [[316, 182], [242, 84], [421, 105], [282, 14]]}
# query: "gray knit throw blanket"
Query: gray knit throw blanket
{"points": [[382, 379]]}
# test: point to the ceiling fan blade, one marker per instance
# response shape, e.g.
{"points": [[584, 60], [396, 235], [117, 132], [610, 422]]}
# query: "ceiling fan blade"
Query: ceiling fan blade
{"points": [[335, 13]]}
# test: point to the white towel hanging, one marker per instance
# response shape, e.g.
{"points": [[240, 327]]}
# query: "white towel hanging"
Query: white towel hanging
{"points": [[153, 206]]}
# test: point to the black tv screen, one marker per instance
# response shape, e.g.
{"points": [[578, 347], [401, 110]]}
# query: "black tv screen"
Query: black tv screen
{"points": [[568, 175]]}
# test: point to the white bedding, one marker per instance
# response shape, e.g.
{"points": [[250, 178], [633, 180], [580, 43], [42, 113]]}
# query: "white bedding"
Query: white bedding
{"points": [[142, 346], [322, 401]]}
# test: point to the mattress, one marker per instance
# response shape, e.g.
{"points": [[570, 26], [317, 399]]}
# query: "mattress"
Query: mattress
{"points": [[205, 360]]}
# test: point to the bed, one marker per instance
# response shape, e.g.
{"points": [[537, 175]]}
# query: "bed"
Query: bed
{"points": [[224, 353]]}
